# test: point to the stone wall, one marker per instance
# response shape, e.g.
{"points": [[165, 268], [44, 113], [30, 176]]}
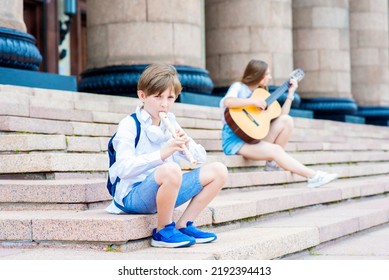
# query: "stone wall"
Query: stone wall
{"points": [[322, 48], [11, 14], [145, 31], [369, 52], [237, 31], [342, 45]]}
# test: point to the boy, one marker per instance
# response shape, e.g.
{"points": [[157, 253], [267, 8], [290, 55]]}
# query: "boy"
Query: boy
{"points": [[151, 180]]}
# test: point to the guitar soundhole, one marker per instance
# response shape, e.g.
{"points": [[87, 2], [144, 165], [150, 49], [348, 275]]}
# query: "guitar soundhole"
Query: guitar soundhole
{"points": [[250, 117]]}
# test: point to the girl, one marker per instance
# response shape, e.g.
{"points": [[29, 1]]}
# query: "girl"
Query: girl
{"points": [[271, 148]]}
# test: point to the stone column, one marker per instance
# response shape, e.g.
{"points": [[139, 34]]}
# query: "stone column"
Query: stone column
{"points": [[369, 52], [11, 14], [144, 31], [124, 36], [321, 47], [237, 31], [17, 48]]}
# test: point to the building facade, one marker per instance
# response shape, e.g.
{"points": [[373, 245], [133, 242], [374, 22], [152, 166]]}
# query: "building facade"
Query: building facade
{"points": [[342, 45]]}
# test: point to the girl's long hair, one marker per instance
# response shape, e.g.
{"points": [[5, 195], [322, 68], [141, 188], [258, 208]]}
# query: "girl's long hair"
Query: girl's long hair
{"points": [[255, 71]]}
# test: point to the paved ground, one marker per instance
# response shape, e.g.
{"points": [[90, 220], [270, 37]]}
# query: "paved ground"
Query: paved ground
{"points": [[372, 244]]}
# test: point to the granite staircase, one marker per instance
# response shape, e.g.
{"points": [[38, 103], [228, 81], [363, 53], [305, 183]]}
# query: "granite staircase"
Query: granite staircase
{"points": [[53, 164]]}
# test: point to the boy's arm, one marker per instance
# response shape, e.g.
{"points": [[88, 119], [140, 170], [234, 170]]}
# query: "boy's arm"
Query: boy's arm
{"points": [[128, 163]]}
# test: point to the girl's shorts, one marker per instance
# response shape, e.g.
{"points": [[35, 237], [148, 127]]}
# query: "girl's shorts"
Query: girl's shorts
{"points": [[142, 199], [231, 143]]}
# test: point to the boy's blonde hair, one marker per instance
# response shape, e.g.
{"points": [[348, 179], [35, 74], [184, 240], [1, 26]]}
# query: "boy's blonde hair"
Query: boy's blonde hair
{"points": [[156, 78]]}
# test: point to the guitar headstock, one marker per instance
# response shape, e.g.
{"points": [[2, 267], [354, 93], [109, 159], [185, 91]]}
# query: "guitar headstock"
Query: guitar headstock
{"points": [[297, 74]]}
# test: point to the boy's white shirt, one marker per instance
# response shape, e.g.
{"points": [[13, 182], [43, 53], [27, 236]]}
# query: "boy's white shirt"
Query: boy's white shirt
{"points": [[135, 164]]}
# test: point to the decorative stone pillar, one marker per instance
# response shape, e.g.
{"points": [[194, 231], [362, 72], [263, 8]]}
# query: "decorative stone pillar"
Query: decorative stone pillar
{"points": [[237, 31], [369, 52], [321, 40], [17, 48], [11, 15], [321, 47], [144, 31], [124, 36]]}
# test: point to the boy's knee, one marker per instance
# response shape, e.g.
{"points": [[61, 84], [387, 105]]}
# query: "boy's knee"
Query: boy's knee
{"points": [[170, 173], [220, 170]]}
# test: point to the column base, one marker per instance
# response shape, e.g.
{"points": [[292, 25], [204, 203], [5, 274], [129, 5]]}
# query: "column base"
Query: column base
{"points": [[27, 78], [18, 50], [374, 115], [337, 109], [123, 80]]}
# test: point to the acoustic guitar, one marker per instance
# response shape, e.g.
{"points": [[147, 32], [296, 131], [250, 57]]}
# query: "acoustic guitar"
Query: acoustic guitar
{"points": [[251, 123]]}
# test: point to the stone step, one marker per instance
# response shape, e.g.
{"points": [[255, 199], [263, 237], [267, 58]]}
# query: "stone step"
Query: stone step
{"points": [[59, 191], [82, 194], [232, 205], [53, 162], [97, 226], [369, 244], [13, 146], [78, 226], [263, 178], [196, 128], [351, 130], [38, 162], [86, 107], [307, 158], [60, 111], [17, 142], [41, 102], [78, 193], [71, 128], [66, 136], [45, 126], [350, 145], [281, 236]]}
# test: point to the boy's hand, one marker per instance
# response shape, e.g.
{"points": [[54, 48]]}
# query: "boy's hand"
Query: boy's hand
{"points": [[180, 134], [174, 145]]}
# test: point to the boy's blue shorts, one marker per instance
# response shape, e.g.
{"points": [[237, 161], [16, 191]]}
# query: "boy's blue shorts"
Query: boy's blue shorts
{"points": [[142, 199]]}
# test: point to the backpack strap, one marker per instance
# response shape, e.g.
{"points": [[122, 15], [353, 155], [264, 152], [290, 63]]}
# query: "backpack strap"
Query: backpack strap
{"points": [[137, 123], [112, 159]]}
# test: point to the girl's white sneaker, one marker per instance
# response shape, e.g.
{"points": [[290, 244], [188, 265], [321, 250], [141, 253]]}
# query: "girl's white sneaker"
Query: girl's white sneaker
{"points": [[321, 178]]}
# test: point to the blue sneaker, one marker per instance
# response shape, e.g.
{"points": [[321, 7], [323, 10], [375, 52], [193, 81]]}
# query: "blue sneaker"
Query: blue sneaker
{"points": [[201, 236], [170, 237]]}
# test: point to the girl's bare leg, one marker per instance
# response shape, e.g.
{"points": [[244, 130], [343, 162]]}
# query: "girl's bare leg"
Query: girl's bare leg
{"points": [[269, 151], [280, 130]]}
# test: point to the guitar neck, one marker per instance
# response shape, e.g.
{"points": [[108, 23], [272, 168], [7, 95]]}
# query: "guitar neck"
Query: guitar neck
{"points": [[277, 93]]}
